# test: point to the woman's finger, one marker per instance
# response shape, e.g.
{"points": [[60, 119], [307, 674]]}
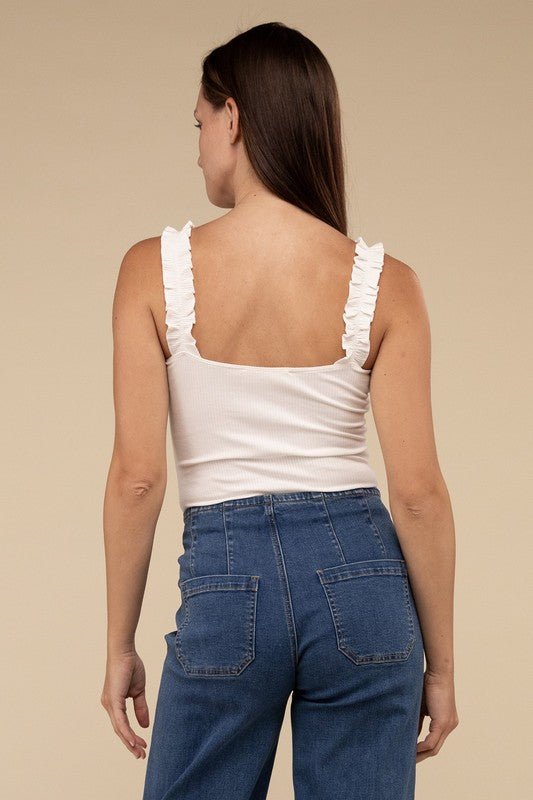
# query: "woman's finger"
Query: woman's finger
{"points": [[433, 742], [124, 731], [428, 745], [140, 707]]}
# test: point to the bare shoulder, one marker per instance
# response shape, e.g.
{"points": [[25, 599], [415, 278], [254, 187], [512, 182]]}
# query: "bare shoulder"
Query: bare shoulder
{"points": [[141, 272], [143, 259], [400, 292], [140, 280], [399, 276]]}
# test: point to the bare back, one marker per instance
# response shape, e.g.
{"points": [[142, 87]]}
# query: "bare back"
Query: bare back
{"points": [[271, 295]]}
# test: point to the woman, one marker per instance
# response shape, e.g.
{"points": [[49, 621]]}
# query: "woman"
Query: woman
{"points": [[261, 335]]}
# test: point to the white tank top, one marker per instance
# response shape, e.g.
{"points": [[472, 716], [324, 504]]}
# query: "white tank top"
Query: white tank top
{"points": [[241, 430]]}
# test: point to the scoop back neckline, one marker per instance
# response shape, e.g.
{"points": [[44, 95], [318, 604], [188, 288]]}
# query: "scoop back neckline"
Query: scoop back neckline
{"points": [[346, 360]]}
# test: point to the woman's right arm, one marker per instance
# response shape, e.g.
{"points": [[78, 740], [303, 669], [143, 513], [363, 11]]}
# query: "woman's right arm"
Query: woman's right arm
{"points": [[400, 394]]}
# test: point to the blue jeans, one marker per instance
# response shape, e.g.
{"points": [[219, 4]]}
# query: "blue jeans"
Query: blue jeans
{"points": [[302, 595]]}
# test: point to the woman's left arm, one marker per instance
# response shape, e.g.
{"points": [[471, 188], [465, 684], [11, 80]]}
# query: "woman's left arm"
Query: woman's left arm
{"points": [[136, 483]]}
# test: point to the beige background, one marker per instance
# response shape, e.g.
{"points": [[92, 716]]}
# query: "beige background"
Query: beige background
{"points": [[99, 152]]}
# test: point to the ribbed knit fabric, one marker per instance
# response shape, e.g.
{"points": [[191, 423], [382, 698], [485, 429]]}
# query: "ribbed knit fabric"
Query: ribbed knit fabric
{"points": [[240, 430]]}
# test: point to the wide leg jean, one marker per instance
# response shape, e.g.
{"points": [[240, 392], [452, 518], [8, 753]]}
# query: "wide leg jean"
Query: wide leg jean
{"points": [[302, 595]]}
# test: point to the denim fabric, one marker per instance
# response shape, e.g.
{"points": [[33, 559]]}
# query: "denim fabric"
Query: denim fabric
{"points": [[301, 595]]}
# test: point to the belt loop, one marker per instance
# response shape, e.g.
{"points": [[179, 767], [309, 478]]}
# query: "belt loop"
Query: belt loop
{"points": [[269, 506]]}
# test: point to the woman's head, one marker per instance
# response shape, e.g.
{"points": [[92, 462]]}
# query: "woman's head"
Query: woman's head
{"points": [[268, 102]]}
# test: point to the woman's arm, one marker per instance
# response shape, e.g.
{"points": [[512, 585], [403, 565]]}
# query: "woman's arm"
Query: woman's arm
{"points": [[420, 506], [136, 481]]}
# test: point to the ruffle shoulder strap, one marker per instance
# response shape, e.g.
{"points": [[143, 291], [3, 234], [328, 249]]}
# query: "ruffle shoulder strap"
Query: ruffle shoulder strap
{"points": [[361, 304], [178, 286]]}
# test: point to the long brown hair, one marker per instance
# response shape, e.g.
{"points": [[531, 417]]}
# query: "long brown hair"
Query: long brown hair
{"points": [[289, 112]]}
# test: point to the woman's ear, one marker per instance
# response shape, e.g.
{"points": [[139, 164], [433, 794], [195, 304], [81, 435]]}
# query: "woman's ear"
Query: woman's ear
{"points": [[232, 113]]}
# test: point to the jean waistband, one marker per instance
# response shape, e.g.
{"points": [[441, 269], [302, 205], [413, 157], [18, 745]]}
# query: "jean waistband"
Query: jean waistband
{"points": [[281, 497]]}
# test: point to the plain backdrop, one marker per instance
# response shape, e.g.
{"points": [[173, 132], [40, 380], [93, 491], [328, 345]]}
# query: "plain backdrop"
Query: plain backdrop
{"points": [[99, 151]]}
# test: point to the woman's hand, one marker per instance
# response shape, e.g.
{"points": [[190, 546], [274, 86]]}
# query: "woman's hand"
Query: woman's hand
{"points": [[126, 677], [438, 702]]}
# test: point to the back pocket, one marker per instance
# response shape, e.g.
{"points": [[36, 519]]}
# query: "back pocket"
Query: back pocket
{"points": [[371, 608], [216, 630]]}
